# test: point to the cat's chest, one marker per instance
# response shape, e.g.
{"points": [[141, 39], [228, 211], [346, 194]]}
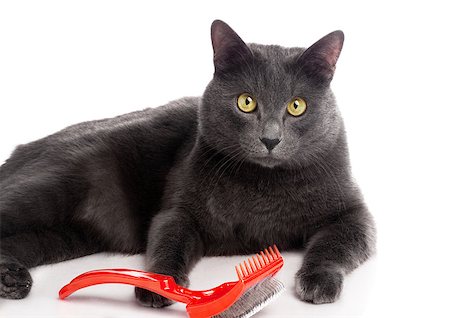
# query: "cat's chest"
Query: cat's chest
{"points": [[258, 214]]}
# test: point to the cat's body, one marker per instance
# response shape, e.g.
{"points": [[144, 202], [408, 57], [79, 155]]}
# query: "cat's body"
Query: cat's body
{"points": [[177, 182], [124, 159]]}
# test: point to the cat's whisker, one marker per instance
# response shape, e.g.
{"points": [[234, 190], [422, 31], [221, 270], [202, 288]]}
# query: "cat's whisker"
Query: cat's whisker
{"points": [[225, 166], [208, 151], [239, 163], [216, 152], [221, 162]]}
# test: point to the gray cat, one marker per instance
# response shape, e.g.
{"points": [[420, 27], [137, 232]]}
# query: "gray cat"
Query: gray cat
{"points": [[261, 158]]}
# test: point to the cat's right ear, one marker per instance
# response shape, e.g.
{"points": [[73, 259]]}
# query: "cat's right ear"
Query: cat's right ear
{"points": [[229, 49]]}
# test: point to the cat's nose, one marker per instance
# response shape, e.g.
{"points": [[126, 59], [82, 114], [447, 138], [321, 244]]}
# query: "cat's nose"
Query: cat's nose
{"points": [[270, 143], [271, 134]]}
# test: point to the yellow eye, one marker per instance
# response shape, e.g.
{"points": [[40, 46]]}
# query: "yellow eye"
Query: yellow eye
{"points": [[296, 107], [246, 103]]}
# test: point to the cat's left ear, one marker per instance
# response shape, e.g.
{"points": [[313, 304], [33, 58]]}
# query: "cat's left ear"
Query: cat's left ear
{"points": [[319, 60], [229, 49]]}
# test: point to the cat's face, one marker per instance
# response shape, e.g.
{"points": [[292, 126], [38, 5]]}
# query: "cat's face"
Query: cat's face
{"points": [[271, 105]]}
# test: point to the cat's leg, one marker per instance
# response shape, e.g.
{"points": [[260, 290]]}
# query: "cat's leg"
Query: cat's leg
{"points": [[24, 250], [174, 246], [50, 214], [332, 252]]}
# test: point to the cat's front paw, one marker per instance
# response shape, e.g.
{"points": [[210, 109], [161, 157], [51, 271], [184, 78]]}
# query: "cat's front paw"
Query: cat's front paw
{"points": [[150, 299], [15, 281], [319, 286]]}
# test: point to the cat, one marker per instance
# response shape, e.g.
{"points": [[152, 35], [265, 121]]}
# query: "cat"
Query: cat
{"points": [[260, 159]]}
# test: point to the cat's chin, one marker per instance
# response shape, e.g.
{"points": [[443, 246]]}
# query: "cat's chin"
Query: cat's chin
{"points": [[267, 161]]}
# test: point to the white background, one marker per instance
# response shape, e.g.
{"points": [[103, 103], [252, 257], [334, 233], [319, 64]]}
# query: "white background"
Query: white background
{"points": [[66, 62]]}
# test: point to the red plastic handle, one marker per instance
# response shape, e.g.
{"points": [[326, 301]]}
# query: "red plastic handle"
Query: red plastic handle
{"points": [[161, 284], [201, 303]]}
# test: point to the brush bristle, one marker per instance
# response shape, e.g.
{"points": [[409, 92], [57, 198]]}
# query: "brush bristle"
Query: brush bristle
{"points": [[258, 263], [254, 299]]}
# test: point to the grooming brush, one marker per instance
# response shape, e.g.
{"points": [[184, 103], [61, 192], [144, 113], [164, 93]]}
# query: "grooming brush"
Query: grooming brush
{"points": [[253, 290]]}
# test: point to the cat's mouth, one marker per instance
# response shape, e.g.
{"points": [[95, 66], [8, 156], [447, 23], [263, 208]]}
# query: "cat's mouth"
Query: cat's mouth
{"points": [[268, 160], [263, 157]]}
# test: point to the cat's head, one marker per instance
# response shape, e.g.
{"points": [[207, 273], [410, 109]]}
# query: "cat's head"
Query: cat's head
{"points": [[271, 105]]}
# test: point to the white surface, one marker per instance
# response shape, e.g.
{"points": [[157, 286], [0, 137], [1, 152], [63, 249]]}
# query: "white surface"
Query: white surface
{"points": [[114, 300], [66, 62]]}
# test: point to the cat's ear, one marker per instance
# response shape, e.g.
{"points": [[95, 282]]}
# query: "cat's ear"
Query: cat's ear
{"points": [[319, 60], [229, 49]]}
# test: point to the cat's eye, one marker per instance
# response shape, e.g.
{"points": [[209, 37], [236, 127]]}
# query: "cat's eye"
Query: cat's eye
{"points": [[246, 103], [296, 107]]}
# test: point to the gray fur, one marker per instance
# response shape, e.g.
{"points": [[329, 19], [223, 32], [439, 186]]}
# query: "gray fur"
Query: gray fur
{"points": [[193, 178]]}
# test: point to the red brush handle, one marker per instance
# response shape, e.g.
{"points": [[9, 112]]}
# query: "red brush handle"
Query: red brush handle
{"points": [[200, 303], [161, 284]]}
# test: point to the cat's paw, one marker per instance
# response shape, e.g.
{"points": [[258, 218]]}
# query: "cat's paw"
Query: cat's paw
{"points": [[151, 299], [319, 286], [15, 281]]}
